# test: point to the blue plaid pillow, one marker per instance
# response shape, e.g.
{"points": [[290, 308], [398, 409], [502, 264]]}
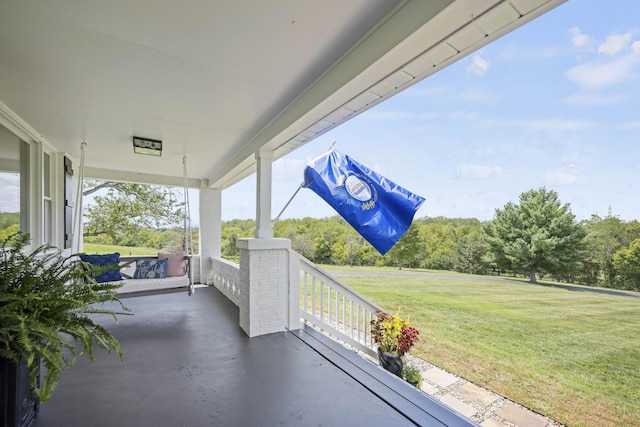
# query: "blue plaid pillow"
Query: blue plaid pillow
{"points": [[151, 269], [103, 260]]}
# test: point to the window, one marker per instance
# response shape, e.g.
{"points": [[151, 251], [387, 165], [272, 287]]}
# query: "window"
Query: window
{"points": [[68, 203], [47, 203], [14, 183]]}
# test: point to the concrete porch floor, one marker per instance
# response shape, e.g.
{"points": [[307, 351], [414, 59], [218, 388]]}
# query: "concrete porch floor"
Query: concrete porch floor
{"points": [[187, 363]]}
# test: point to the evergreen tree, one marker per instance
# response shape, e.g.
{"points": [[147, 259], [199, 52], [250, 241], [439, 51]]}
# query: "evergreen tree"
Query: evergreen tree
{"points": [[539, 233], [469, 253]]}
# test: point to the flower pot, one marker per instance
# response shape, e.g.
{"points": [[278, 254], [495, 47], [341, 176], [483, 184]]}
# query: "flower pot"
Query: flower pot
{"points": [[18, 406], [391, 362]]}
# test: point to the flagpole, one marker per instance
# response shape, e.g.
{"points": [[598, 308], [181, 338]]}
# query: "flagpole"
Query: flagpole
{"points": [[285, 206], [277, 218]]}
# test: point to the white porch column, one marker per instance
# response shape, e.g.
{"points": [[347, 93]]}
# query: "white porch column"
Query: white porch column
{"points": [[210, 228], [264, 285], [264, 227]]}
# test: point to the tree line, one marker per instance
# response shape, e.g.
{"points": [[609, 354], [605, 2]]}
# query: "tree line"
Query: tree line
{"points": [[536, 237]]}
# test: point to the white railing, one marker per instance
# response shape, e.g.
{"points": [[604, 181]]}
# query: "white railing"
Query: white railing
{"points": [[331, 306], [315, 298], [226, 278]]}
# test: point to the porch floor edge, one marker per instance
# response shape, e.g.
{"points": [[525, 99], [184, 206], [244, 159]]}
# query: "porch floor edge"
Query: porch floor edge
{"points": [[418, 407]]}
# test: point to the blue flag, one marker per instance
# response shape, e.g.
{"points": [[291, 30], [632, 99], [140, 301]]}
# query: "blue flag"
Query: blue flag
{"points": [[380, 210]]}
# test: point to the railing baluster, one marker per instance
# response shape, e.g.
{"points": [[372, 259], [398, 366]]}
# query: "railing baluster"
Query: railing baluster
{"points": [[338, 319], [334, 313], [306, 291], [344, 314], [338, 316], [358, 320], [367, 320], [313, 296], [330, 315], [351, 318], [321, 300]]}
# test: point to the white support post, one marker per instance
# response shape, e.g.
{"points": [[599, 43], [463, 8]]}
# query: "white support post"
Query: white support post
{"points": [[264, 228], [210, 228]]}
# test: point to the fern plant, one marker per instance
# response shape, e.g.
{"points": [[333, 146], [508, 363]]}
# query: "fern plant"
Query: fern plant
{"points": [[47, 303]]}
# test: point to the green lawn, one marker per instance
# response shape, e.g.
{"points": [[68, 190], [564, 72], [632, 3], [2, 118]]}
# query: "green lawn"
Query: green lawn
{"points": [[93, 248], [574, 356]]}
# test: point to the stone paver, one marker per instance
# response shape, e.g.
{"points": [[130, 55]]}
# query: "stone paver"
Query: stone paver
{"points": [[519, 416], [457, 404], [440, 377], [492, 422], [476, 395], [429, 388], [483, 406]]}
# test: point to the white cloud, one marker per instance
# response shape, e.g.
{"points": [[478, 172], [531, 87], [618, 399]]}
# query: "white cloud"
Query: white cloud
{"points": [[615, 43], [581, 41], [478, 66], [287, 168], [635, 48], [566, 175], [556, 124], [467, 116], [478, 171], [431, 115], [546, 125], [603, 73], [589, 99], [479, 95]]}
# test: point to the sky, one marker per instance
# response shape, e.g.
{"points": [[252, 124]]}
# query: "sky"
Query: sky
{"points": [[9, 192], [555, 104]]}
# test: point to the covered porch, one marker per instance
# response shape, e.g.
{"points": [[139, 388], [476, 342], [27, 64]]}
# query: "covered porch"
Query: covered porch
{"points": [[188, 363], [234, 87]]}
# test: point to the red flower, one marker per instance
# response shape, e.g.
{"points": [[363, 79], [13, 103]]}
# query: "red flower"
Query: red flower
{"points": [[392, 334]]}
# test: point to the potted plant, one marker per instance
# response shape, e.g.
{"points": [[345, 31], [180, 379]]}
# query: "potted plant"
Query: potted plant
{"points": [[47, 303], [412, 375], [394, 337]]}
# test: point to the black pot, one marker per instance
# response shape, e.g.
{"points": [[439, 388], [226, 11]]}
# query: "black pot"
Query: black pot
{"points": [[18, 406], [391, 362]]}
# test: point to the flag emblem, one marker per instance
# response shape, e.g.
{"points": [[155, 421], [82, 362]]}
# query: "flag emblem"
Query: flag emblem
{"points": [[358, 189]]}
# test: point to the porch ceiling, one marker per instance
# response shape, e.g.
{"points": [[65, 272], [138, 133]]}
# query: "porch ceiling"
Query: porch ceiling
{"points": [[218, 81]]}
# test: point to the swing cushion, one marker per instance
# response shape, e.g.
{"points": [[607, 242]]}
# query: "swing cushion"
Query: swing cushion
{"points": [[150, 269], [177, 263], [97, 260]]}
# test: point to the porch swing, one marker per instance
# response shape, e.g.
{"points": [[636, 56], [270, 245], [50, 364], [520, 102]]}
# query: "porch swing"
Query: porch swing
{"points": [[131, 282]]}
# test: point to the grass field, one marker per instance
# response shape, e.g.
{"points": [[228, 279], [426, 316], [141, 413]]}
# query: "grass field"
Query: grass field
{"points": [[573, 356], [92, 248]]}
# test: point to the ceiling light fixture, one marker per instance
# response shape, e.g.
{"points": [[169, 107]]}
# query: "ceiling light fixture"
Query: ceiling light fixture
{"points": [[151, 147]]}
